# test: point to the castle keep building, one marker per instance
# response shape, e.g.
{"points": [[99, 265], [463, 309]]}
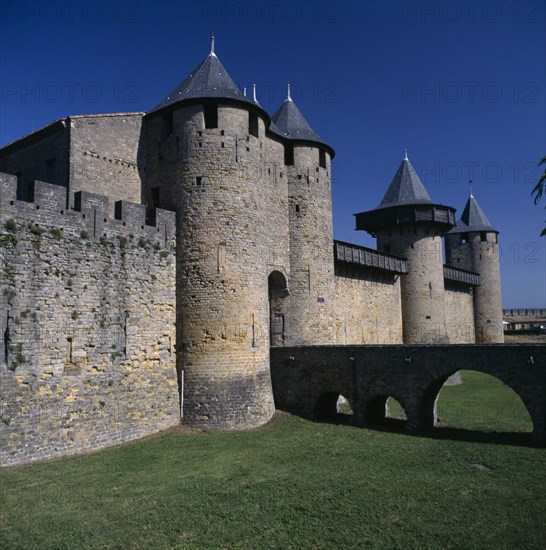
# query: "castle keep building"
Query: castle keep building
{"points": [[150, 260]]}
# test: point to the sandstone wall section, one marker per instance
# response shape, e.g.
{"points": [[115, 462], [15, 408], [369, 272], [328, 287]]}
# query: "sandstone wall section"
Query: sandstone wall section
{"points": [[87, 321]]}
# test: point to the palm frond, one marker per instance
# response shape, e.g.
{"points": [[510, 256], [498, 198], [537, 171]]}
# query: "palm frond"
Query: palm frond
{"points": [[538, 189]]}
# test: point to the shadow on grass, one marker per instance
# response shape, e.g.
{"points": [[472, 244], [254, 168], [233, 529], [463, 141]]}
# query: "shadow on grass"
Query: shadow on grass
{"points": [[397, 425], [520, 439]]}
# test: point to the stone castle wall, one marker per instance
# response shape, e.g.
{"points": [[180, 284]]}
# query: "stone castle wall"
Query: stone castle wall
{"points": [[87, 319], [28, 158], [95, 153], [367, 306], [459, 313], [104, 156]]}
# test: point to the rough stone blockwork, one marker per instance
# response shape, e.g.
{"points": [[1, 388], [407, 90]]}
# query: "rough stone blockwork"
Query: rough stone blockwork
{"points": [[87, 322]]}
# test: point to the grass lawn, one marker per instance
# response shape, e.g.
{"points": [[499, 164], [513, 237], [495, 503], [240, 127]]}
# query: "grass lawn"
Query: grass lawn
{"points": [[291, 484]]}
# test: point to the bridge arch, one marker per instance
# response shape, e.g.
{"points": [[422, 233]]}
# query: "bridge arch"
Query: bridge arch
{"points": [[428, 413], [376, 410], [326, 408]]}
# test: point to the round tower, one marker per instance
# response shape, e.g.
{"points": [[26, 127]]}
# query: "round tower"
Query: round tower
{"points": [[307, 160], [407, 223], [205, 160], [473, 245]]}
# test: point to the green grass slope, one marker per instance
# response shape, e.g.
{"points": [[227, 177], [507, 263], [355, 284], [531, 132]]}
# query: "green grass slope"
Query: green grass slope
{"points": [[291, 484]]}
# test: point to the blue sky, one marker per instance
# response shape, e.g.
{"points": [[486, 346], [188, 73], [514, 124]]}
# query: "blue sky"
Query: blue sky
{"points": [[461, 85]]}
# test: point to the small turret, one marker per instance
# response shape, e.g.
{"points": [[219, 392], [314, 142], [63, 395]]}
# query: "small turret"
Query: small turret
{"points": [[473, 245], [309, 317], [409, 224]]}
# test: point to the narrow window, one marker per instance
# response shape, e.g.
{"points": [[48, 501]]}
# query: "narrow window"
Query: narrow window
{"points": [[70, 344], [51, 170], [464, 238], [21, 193], [167, 128], [297, 207], [289, 155], [483, 237], [7, 341], [155, 197], [322, 158], [211, 116], [253, 125]]}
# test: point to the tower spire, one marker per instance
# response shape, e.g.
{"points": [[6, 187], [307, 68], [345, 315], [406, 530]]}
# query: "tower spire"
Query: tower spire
{"points": [[212, 45], [406, 154], [288, 97]]}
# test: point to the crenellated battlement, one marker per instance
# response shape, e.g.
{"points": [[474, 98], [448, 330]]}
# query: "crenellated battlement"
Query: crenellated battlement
{"points": [[89, 218]]}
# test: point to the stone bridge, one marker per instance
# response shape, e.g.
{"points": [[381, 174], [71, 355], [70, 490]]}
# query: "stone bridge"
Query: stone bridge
{"points": [[309, 380]]}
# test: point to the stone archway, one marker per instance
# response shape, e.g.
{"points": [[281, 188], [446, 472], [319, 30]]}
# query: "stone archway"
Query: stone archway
{"points": [[333, 407], [377, 411], [477, 414], [277, 290]]}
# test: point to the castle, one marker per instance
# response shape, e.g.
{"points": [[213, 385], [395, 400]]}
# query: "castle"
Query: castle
{"points": [[150, 260]]}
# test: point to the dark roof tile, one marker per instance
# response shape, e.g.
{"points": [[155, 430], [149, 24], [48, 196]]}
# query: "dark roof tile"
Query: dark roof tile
{"points": [[291, 124], [209, 80], [472, 219], [405, 188]]}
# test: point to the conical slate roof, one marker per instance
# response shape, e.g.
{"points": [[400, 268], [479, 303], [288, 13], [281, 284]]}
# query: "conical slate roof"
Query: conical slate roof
{"points": [[289, 123], [209, 80], [405, 188], [472, 219]]}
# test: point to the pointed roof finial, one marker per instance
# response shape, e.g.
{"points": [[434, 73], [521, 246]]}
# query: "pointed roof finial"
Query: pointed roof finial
{"points": [[212, 45], [288, 96], [244, 91], [470, 187], [254, 93], [406, 154]]}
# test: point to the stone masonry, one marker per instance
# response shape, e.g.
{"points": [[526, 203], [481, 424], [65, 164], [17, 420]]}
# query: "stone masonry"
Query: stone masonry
{"points": [[88, 324]]}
